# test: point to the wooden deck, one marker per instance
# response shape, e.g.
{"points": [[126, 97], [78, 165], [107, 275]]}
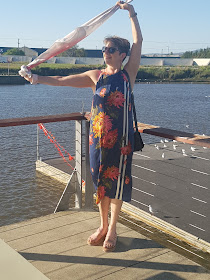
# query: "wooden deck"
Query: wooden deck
{"points": [[56, 245]]}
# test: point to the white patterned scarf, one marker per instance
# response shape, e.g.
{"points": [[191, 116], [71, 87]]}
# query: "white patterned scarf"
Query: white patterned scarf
{"points": [[74, 37]]}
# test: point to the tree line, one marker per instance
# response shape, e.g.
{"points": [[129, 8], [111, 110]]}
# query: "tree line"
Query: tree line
{"points": [[202, 53], [72, 52]]}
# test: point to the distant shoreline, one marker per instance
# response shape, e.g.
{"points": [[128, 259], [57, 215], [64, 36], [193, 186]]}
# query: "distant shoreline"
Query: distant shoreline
{"points": [[17, 80], [146, 74], [12, 80]]}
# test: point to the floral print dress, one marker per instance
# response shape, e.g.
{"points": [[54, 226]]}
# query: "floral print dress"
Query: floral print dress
{"points": [[111, 137]]}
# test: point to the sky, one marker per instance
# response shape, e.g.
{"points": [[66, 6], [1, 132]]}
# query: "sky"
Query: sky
{"points": [[167, 25]]}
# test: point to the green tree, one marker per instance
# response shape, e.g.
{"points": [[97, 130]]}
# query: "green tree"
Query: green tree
{"points": [[14, 51], [74, 52], [202, 53]]}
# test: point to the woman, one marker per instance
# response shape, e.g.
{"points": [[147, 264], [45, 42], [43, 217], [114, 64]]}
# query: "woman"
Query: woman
{"points": [[111, 129]]}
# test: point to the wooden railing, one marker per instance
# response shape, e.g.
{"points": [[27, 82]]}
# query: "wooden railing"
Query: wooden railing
{"points": [[42, 119], [180, 136]]}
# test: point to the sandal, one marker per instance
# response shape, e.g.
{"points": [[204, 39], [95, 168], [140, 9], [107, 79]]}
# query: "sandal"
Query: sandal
{"points": [[109, 244], [98, 240]]}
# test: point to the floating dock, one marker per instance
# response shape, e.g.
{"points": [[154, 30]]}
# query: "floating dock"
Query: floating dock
{"points": [[12, 80]]}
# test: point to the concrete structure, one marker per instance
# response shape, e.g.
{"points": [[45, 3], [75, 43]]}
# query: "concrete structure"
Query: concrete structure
{"points": [[29, 52], [201, 61], [14, 266], [166, 61], [95, 57], [79, 60], [145, 61]]}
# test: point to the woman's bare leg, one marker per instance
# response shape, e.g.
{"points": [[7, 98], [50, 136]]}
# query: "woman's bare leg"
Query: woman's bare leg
{"points": [[111, 236], [99, 235], [116, 205], [104, 212]]}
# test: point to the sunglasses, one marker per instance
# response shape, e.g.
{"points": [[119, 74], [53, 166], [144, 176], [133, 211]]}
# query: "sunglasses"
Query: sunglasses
{"points": [[110, 50]]}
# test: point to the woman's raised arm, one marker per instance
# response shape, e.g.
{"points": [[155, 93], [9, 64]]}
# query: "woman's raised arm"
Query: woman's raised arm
{"points": [[133, 63]]}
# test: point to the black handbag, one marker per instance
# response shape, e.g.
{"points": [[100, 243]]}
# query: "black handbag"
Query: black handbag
{"points": [[138, 142]]}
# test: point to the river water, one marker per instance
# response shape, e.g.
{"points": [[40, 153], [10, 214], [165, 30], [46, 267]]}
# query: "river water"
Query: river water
{"points": [[25, 194]]}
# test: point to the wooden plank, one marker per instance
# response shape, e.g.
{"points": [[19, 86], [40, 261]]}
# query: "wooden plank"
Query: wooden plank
{"points": [[41, 119], [181, 136]]}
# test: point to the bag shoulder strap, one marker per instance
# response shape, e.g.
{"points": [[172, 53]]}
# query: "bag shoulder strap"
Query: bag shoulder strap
{"points": [[132, 99]]}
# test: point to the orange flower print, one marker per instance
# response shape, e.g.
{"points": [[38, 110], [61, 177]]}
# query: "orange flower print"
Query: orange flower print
{"points": [[129, 106], [102, 92], [101, 167], [92, 170], [100, 105], [108, 140], [100, 194], [91, 139], [111, 173], [101, 124], [126, 150], [127, 180], [116, 99]]}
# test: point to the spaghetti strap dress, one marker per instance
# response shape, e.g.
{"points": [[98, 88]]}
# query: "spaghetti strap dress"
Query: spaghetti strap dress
{"points": [[111, 137]]}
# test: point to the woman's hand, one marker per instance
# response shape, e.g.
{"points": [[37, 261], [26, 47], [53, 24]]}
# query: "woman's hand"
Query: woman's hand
{"points": [[27, 78], [25, 73], [125, 6], [133, 63]]}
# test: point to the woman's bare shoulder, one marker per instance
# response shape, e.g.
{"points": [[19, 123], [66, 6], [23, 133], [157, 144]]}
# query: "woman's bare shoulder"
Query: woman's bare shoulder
{"points": [[94, 75]]}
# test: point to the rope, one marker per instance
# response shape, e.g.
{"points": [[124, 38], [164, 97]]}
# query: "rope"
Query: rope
{"points": [[52, 139]]}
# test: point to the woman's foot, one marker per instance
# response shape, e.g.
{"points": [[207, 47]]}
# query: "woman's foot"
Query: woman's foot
{"points": [[110, 241], [97, 238]]}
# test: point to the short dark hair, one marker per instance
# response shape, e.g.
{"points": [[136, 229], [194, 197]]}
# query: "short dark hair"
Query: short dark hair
{"points": [[122, 44]]}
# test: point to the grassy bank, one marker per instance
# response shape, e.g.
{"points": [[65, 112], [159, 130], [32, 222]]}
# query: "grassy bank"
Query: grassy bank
{"points": [[145, 74], [174, 74]]}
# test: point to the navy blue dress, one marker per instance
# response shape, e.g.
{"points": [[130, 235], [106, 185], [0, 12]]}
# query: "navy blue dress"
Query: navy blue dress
{"points": [[111, 137]]}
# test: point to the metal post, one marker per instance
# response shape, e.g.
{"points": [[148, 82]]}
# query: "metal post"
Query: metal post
{"points": [[78, 164], [88, 180], [37, 143]]}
